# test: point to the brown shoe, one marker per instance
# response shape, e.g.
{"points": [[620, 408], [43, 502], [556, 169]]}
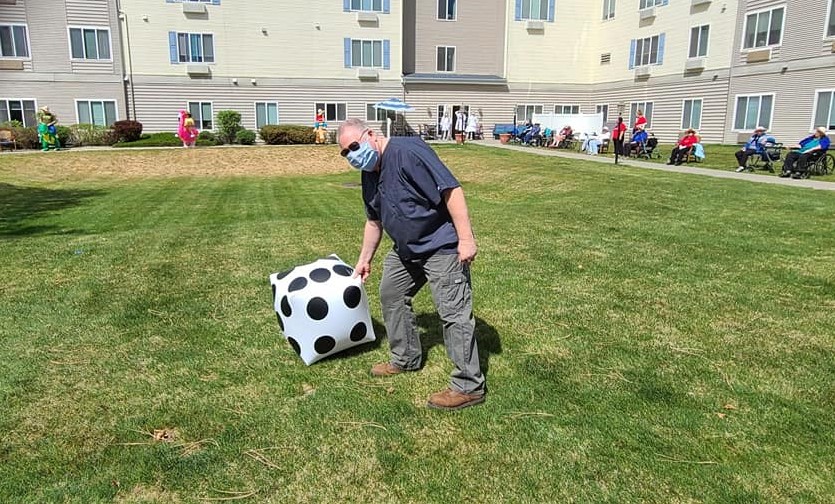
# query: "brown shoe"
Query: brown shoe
{"points": [[385, 369], [451, 400]]}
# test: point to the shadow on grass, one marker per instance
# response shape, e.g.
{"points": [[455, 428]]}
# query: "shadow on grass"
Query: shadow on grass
{"points": [[21, 204], [486, 335]]}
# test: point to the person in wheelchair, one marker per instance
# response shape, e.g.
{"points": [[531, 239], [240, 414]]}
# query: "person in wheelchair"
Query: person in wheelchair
{"points": [[534, 135], [754, 145], [522, 130], [796, 164], [637, 143]]}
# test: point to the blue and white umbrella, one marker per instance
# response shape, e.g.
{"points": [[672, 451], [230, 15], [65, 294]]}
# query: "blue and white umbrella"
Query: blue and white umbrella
{"points": [[394, 104]]}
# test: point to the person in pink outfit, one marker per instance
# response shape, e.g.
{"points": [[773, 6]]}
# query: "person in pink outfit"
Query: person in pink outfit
{"points": [[187, 131]]}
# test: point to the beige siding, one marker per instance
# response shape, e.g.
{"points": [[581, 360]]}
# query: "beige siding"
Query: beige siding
{"points": [[60, 97], [88, 12], [477, 34], [13, 13], [48, 36]]}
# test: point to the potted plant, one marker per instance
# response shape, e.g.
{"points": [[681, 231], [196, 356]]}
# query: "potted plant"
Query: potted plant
{"points": [[504, 137], [459, 138]]}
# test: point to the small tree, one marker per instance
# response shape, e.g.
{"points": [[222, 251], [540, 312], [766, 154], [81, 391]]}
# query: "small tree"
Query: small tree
{"points": [[228, 125]]}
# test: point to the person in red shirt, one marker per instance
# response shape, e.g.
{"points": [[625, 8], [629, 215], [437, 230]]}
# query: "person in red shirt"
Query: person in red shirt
{"points": [[683, 147], [618, 133], [640, 121]]}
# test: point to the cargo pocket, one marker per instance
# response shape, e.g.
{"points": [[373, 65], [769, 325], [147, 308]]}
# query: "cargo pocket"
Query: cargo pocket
{"points": [[456, 295]]}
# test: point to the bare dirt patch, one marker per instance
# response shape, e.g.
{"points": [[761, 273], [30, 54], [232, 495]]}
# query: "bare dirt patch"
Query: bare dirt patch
{"points": [[165, 163]]}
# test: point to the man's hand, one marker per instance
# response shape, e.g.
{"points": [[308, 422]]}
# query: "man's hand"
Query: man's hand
{"points": [[362, 270], [467, 251]]}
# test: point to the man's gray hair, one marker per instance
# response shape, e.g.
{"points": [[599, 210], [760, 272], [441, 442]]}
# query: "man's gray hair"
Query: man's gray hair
{"points": [[352, 123]]}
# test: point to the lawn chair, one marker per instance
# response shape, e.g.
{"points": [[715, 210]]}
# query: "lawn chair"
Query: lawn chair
{"points": [[604, 146], [7, 139], [765, 159]]}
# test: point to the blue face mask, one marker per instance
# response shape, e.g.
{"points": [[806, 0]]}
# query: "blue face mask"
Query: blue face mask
{"points": [[364, 158]]}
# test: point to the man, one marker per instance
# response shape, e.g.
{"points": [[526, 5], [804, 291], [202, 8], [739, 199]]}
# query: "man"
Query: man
{"points": [[409, 193], [795, 164], [683, 147], [754, 145]]}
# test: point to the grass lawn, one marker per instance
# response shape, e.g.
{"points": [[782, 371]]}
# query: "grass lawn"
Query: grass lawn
{"points": [[648, 336]]}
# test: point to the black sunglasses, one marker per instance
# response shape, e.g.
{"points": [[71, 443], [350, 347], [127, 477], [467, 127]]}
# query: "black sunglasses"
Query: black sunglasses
{"points": [[351, 148]]}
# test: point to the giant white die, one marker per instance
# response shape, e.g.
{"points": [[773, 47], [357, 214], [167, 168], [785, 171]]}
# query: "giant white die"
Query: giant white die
{"points": [[321, 309]]}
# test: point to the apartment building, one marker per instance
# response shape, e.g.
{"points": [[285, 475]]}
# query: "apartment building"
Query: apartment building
{"points": [[65, 54]]}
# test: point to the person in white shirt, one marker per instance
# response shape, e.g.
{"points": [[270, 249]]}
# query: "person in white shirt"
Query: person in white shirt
{"points": [[592, 145], [472, 126], [446, 126]]}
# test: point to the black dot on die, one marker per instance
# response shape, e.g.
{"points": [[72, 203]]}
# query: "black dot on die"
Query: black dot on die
{"points": [[320, 275], [324, 344], [280, 323], [284, 274], [297, 284], [342, 270], [317, 308], [285, 307], [359, 331], [352, 296], [295, 345]]}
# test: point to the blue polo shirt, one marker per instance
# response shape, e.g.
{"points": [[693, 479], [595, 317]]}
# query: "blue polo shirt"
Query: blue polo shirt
{"points": [[406, 195]]}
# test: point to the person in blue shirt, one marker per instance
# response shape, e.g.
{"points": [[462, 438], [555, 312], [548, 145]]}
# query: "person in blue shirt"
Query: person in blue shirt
{"points": [[753, 146], [412, 196], [795, 164], [639, 136]]}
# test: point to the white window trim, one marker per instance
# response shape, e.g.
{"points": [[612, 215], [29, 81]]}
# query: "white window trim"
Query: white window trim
{"points": [[255, 109], [826, 36], [372, 65], [605, 4], [635, 65], [770, 119], [526, 105], [28, 43], [82, 28], [601, 105], [528, 18], [454, 59], [815, 108], [201, 102], [366, 112], [642, 108], [567, 105], [454, 18], [707, 49], [190, 33], [683, 101], [655, 4], [782, 30], [88, 100], [21, 100], [337, 103]]}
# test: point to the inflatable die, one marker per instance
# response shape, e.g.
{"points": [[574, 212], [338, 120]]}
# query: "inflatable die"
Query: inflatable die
{"points": [[321, 309]]}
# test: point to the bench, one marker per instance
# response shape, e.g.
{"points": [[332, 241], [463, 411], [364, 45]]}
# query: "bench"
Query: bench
{"points": [[499, 129]]}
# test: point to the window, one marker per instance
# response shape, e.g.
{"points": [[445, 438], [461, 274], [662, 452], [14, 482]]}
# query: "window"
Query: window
{"points": [[646, 108], [753, 111], [98, 112], [367, 53], [535, 9], [446, 10], [646, 4], [526, 112], [374, 114], [90, 43], [333, 111], [698, 41], [603, 109], [265, 113], [830, 26], [763, 29], [646, 51], [14, 42], [22, 111], [367, 5], [202, 114], [446, 59], [691, 114], [824, 109], [608, 9], [195, 48], [566, 109]]}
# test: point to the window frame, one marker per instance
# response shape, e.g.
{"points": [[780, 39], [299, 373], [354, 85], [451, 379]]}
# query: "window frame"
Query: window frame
{"points": [[699, 41], [370, 106], [701, 109], [831, 91], [609, 10], [639, 53], [454, 11], [770, 9], [189, 57], [828, 21], [373, 42], [97, 29], [324, 106], [655, 3], [352, 9], [526, 16], [201, 125], [454, 58], [266, 103], [563, 105], [28, 56], [598, 108], [641, 105], [90, 101], [759, 119], [23, 109], [526, 105]]}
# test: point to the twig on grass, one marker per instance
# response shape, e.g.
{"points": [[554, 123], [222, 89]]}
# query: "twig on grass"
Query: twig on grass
{"points": [[363, 424], [231, 495], [530, 414], [260, 457], [667, 458]]}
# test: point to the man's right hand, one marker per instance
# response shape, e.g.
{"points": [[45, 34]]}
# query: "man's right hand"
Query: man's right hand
{"points": [[362, 270]]}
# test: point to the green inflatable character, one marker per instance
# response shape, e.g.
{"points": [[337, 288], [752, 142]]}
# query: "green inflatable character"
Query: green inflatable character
{"points": [[47, 131]]}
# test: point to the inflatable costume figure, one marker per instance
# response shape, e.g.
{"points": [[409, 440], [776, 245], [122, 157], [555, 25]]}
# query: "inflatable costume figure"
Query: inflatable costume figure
{"points": [[47, 131], [320, 127]]}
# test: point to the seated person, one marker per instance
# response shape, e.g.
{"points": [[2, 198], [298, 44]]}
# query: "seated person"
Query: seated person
{"points": [[532, 134], [592, 144], [683, 147], [754, 145], [523, 130], [796, 161], [565, 133], [638, 137]]}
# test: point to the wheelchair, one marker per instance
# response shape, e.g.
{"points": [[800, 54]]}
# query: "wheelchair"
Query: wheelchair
{"points": [[647, 150], [818, 163], [765, 160]]}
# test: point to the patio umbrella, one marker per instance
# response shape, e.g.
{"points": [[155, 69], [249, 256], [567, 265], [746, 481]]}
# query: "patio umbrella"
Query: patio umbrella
{"points": [[395, 105]]}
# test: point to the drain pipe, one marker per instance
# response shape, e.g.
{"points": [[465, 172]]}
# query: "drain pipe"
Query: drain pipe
{"points": [[127, 74]]}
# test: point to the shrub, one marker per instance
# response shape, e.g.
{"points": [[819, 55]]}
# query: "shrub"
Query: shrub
{"points": [[245, 137], [287, 134], [228, 125], [154, 140], [65, 136], [127, 131], [207, 139], [11, 124], [27, 138], [89, 135]]}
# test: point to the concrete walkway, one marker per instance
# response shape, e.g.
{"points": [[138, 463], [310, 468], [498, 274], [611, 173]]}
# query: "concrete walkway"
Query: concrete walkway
{"points": [[749, 177]]}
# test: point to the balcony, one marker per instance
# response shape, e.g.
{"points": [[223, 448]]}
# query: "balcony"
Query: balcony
{"points": [[692, 64]]}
